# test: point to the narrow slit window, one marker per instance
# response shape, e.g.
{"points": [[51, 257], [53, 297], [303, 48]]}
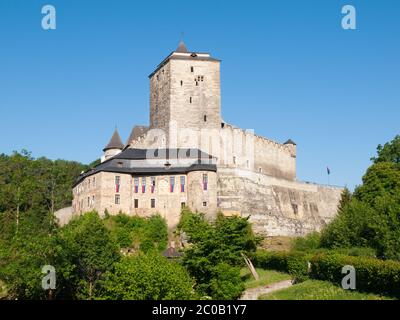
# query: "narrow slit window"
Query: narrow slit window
{"points": [[153, 203], [136, 203], [205, 118], [191, 69]]}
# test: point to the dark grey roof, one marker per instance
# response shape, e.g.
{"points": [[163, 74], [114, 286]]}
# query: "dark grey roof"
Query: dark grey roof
{"points": [[115, 142], [181, 48], [173, 153], [193, 57], [290, 141], [121, 162], [136, 132]]}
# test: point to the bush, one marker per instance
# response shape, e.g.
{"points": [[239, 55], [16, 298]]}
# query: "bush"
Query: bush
{"points": [[144, 233], [147, 277], [226, 283], [309, 243], [294, 263], [372, 275]]}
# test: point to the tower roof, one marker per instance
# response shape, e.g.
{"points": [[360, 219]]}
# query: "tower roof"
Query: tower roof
{"points": [[181, 47], [115, 142], [290, 141]]}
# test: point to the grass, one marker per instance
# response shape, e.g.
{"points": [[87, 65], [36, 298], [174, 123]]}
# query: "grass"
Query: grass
{"points": [[319, 290], [3, 291], [266, 277], [277, 243]]}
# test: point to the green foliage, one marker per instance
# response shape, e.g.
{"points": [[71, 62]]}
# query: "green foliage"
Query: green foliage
{"points": [[90, 251], [372, 275], [142, 233], [390, 152], [381, 180], [226, 283], [147, 277], [213, 247], [309, 243], [318, 290], [294, 263]]}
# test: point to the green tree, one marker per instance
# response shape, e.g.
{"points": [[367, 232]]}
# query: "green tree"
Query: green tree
{"points": [[147, 277], [89, 247], [213, 246], [390, 152]]}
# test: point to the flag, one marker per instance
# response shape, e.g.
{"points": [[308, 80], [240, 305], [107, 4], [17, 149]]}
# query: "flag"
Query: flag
{"points": [[328, 170]]}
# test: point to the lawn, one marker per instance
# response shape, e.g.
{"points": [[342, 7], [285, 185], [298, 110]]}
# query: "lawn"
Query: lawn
{"points": [[266, 277], [3, 291], [318, 290]]}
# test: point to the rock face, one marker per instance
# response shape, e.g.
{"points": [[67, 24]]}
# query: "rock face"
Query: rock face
{"points": [[277, 207], [64, 216]]}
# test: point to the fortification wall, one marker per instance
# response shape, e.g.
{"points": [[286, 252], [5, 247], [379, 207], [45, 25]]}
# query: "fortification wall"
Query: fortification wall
{"points": [[277, 206]]}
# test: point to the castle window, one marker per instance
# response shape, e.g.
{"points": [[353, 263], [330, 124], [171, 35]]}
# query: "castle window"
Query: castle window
{"points": [[182, 183], [171, 184], [181, 83], [183, 205], [136, 203], [205, 118], [190, 99], [136, 184], [234, 160], [260, 169], [153, 184], [158, 77], [117, 199], [191, 69], [117, 184], [153, 203], [94, 182], [88, 201], [295, 208], [93, 201], [143, 184], [204, 204], [89, 183], [197, 83], [205, 182], [202, 78]]}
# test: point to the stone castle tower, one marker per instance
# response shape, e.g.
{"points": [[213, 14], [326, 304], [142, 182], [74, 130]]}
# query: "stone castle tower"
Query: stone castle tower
{"points": [[185, 92]]}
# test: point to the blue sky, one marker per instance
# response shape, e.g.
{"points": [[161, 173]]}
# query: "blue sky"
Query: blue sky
{"points": [[288, 71]]}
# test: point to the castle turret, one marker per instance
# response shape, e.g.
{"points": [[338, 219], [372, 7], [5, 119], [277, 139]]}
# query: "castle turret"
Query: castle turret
{"points": [[114, 147]]}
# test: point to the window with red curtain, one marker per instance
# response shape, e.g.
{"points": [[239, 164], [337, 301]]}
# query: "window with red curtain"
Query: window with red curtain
{"points": [[117, 184], [136, 185], [182, 183], [143, 184], [171, 184]]}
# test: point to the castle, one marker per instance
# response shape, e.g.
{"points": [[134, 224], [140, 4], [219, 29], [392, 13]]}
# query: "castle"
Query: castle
{"points": [[189, 156]]}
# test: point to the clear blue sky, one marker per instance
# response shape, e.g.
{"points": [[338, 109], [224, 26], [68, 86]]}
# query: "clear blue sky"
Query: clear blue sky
{"points": [[288, 71]]}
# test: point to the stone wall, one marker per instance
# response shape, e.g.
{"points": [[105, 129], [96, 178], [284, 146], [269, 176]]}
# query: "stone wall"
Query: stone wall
{"points": [[277, 206], [168, 204]]}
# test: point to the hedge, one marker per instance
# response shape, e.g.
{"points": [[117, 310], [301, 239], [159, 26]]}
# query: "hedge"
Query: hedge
{"points": [[372, 275], [294, 263]]}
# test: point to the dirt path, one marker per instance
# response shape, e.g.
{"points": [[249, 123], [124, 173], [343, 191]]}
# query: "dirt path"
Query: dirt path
{"points": [[254, 293]]}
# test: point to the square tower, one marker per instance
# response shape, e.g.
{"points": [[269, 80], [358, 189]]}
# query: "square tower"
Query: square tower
{"points": [[185, 89]]}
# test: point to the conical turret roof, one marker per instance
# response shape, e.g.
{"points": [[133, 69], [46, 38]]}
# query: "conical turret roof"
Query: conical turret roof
{"points": [[115, 142], [181, 48]]}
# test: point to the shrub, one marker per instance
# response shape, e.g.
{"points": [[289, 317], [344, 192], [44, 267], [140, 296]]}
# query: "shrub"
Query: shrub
{"points": [[147, 277], [372, 275], [226, 283], [294, 263], [309, 243]]}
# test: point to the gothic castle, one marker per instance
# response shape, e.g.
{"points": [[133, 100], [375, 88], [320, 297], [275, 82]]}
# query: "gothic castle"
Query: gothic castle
{"points": [[189, 156]]}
